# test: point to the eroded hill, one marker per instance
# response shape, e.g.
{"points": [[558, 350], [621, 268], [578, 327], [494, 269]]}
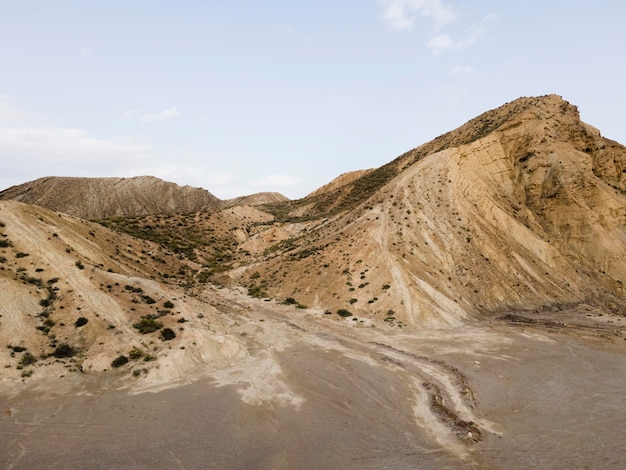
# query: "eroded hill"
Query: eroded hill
{"points": [[521, 208], [96, 198], [76, 297]]}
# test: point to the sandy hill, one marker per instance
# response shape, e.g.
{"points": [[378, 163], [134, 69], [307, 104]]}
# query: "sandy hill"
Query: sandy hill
{"points": [[511, 228], [523, 207], [76, 296], [92, 198], [340, 181], [257, 199]]}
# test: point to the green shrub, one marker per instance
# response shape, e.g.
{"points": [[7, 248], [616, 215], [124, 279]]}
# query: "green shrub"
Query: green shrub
{"points": [[148, 324], [21, 255], [168, 304], [147, 299], [80, 321], [167, 334], [119, 361], [135, 353], [64, 350], [342, 312], [79, 265], [27, 359]]}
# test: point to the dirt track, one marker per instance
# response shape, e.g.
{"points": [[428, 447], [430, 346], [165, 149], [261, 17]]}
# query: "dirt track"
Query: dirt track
{"points": [[314, 392]]}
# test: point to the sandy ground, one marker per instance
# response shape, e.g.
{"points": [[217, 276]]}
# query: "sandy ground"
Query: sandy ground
{"points": [[317, 392]]}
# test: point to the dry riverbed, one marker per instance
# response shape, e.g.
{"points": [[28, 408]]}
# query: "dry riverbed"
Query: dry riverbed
{"points": [[315, 392]]}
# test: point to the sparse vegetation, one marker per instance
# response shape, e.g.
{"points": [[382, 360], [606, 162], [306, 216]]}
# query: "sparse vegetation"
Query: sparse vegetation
{"points": [[119, 361], [135, 354], [167, 334], [27, 359], [148, 324], [63, 350]]}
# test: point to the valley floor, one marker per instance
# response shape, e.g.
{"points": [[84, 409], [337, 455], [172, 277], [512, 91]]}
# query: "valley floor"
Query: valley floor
{"points": [[315, 392]]}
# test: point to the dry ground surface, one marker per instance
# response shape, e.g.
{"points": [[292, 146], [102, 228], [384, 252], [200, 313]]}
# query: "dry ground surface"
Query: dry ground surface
{"points": [[316, 391]]}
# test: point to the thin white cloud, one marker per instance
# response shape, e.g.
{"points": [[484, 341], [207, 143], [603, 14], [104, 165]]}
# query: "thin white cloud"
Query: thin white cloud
{"points": [[30, 150], [444, 42], [46, 145], [10, 115], [288, 30], [130, 113], [164, 115], [402, 14], [462, 70]]}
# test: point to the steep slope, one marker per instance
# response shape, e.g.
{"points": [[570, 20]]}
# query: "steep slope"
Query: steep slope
{"points": [[341, 180], [91, 198], [521, 208], [77, 296]]}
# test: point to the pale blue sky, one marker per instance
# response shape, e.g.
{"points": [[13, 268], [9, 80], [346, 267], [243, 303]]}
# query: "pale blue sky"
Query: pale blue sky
{"points": [[245, 96]]}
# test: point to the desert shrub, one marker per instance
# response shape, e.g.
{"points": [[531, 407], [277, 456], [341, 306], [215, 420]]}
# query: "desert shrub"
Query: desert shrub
{"points": [[168, 304], [257, 292], [21, 255], [79, 264], [148, 324], [4, 243], [17, 348], [290, 301], [147, 299], [342, 312], [167, 334], [119, 361], [64, 350], [352, 301], [27, 359], [135, 353], [386, 286], [80, 321]]}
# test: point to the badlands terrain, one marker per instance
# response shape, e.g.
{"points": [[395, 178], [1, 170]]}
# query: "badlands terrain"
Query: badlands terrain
{"points": [[462, 306]]}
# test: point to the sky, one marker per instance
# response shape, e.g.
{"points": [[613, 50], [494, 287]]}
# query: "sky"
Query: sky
{"points": [[244, 96]]}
